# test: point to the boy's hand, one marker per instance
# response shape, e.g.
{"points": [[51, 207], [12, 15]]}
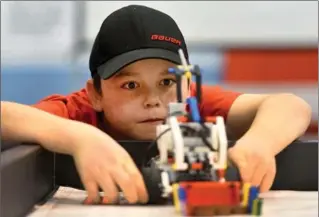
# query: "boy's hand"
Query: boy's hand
{"points": [[256, 164], [101, 162]]}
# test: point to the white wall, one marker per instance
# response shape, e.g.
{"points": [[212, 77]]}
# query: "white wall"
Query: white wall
{"points": [[44, 31], [227, 22], [36, 31]]}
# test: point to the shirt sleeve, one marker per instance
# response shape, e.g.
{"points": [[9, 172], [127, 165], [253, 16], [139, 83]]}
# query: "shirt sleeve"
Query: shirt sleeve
{"points": [[54, 104], [75, 106], [216, 101]]}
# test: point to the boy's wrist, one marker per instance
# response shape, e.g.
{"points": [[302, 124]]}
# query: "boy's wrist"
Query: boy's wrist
{"points": [[58, 136], [70, 136], [257, 142]]}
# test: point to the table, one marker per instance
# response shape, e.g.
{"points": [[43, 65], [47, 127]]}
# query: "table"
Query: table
{"points": [[68, 202], [29, 174]]}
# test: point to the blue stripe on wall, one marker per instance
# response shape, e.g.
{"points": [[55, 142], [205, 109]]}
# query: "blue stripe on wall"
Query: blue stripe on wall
{"points": [[29, 84]]}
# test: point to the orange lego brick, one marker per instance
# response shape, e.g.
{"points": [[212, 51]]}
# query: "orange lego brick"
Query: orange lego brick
{"points": [[210, 119], [197, 166], [182, 119]]}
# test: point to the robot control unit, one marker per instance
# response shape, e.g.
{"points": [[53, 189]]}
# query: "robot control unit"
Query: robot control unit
{"points": [[193, 158]]}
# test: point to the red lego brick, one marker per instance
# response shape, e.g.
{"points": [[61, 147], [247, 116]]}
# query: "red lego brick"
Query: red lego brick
{"points": [[211, 193]]}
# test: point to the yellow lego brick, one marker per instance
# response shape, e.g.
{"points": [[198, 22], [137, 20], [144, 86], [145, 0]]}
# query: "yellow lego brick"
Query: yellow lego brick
{"points": [[245, 193], [176, 197], [174, 166], [188, 74]]}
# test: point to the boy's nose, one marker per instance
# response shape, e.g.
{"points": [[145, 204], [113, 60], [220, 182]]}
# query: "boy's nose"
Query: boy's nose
{"points": [[152, 102]]}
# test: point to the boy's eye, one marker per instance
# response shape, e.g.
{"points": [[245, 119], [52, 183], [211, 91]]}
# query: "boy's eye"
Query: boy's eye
{"points": [[130, 85], [167, 82]]}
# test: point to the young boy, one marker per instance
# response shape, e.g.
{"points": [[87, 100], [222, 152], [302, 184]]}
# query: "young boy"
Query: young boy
{"points": [[128, 96]]}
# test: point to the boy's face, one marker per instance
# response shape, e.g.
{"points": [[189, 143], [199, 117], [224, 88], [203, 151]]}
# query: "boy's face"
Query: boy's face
{"points": [[136, 99]]}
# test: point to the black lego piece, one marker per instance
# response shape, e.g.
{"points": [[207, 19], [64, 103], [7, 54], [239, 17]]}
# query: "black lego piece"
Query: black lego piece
{"points": [[151, 177]]}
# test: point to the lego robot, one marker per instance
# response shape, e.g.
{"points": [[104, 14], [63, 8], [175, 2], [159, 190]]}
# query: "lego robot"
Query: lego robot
{"points": [[193, 158]]}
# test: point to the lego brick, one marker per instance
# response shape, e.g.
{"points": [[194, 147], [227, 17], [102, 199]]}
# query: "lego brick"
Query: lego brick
{"points": [[194, 111], [211, 193], [253, 194]]}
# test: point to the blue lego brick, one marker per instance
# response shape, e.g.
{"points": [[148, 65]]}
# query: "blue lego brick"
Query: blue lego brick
{"points": [[172, 70], [181, 194], [176, 71], [182, 199], [193, 106], [253, 194]]}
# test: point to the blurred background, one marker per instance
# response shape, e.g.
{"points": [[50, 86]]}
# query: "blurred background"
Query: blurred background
{"points": [[253, 46]]}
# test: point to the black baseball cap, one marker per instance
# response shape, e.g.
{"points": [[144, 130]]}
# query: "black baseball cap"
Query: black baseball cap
{"points": [[134, 33]]}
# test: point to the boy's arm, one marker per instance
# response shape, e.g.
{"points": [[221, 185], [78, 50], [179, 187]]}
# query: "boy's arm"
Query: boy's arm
{"points": [[100, 161], [270, 120], [24, 123]]}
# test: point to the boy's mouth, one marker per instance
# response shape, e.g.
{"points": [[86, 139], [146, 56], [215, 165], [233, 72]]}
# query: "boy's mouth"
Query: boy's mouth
{"points": [[153, 120]]}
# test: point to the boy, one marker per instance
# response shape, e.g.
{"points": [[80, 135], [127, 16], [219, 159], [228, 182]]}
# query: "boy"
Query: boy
{"points": [[128, 96]]}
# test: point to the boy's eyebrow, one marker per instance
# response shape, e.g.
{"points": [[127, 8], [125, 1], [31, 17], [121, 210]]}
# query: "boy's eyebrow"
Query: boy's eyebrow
{"points": [[125, 73], [165, 72]]}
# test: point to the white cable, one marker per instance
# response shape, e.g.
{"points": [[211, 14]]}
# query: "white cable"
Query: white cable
{"points": [[178, 142], [183, 59], [223, 142]]}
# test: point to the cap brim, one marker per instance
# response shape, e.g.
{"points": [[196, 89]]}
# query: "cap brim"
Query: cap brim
{"points": [[112, 66]]}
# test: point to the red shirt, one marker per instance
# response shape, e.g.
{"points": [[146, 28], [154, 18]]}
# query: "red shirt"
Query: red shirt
{"points": [[76, 106]]}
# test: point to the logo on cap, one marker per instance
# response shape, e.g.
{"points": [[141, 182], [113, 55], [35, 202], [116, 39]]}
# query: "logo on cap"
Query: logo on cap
{"points": [[165, 38]]}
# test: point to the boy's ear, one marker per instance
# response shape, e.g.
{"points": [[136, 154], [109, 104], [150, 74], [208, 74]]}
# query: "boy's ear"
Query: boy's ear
{"points": [[94, 96]]}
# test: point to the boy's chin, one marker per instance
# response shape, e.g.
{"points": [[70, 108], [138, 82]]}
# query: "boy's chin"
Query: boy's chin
{"points": [[146, 135]]}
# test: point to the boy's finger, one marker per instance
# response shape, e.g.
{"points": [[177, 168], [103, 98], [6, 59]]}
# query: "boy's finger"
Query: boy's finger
{"points": [[136, 175], [246, 171], [124, 181], [245, 168], [109, 188], [92, 191], [268, 180], [246, 175], [258, 174], [142, 191]]}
